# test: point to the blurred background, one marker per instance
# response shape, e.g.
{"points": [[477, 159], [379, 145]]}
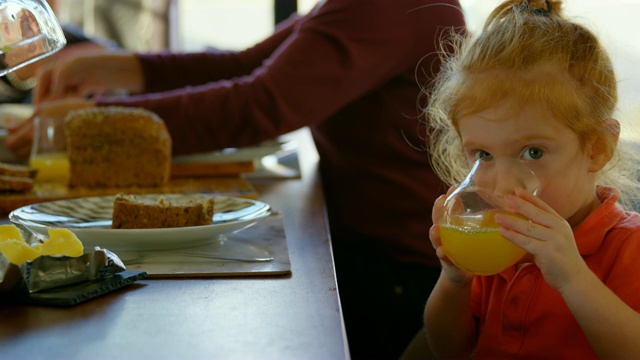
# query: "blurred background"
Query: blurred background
{"points": [[617, 23], [190, 25]]}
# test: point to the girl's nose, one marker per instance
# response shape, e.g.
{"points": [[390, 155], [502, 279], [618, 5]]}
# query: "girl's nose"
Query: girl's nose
{"points": [[511, 174], [502, 175]]}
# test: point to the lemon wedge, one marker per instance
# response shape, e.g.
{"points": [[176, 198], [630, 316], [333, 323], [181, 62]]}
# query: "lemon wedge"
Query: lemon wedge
{"points": [[17, 251], [10, 232], [13, 246], [61, 242]]}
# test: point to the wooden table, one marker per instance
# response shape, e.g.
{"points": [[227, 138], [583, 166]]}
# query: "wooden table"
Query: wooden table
{"points": [[283, 317]]}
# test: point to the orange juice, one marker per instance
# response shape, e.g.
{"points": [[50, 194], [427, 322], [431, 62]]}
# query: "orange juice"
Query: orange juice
{"points": [[474, 244], [52, 167]]}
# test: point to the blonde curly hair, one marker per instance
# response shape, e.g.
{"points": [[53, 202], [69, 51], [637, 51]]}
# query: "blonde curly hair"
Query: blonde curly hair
{"points": [[528, 51]]}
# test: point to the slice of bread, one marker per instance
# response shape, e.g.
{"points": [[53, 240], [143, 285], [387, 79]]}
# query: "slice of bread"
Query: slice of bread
{"points": [[17, 170], [15, 183], [132, 212]]}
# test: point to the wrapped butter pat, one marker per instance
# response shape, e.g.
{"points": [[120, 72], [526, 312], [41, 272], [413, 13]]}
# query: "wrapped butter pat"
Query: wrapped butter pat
{"points": [[57, 270], [49, 272]]}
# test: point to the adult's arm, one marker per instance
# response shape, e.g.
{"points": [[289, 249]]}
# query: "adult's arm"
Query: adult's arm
{"points": [[167, 71], [334, 55]]}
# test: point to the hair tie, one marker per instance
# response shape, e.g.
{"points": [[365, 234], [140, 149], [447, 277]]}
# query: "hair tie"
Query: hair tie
{"points": [[546, 11]]}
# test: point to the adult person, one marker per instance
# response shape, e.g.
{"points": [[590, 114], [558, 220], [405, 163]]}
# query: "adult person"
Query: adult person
{"points": [[351, 70]]}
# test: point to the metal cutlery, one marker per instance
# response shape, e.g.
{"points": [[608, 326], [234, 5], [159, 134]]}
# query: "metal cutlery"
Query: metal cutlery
{"points": [[141, 258]]}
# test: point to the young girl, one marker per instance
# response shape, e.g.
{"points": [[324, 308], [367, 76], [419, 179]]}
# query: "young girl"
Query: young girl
{"points": [[537, 87]]}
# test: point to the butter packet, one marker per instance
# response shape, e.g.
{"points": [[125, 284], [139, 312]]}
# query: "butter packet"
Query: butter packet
{"points": [[76, 278]]}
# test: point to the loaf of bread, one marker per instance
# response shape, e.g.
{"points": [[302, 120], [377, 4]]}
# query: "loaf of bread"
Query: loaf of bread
{"points": [[132, 212], [117, 147]]}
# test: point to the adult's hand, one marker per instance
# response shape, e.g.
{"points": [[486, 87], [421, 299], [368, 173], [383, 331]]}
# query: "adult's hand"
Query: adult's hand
{"points": [[88, 75], [20, 136]]}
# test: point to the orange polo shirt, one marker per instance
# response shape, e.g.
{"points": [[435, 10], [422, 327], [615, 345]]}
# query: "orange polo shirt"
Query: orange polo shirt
{"points": [[520, 316]]}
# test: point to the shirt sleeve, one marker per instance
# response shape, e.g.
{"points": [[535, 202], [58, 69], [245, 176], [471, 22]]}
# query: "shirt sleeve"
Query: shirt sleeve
{"points": [[167, 71], [335, 54], [624, 276]]}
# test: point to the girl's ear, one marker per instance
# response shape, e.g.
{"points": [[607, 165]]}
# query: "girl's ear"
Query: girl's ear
{"points": [[601, 153]]}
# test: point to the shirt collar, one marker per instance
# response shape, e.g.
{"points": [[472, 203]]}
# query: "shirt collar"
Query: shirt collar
{"points": [[590, 234]]}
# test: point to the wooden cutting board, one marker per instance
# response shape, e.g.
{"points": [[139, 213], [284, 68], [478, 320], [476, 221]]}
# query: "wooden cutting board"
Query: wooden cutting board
{"points": [[41, 192]]}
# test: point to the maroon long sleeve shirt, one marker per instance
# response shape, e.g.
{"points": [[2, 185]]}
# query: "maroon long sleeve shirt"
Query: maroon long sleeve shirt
{"points": [[351, 70]]}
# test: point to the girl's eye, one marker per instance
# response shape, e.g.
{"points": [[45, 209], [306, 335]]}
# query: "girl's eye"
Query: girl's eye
{"points": [[532, 153], [481, 154]]}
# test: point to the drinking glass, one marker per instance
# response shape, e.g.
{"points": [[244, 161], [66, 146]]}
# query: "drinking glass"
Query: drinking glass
{"points": [[470, 237], [30, 31], [49, 150]]}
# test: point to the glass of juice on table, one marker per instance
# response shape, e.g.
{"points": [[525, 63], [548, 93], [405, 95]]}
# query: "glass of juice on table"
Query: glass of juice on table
{"points": [[470, 236], [49, 150]]}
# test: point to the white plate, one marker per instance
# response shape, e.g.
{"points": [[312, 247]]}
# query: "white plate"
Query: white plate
{"points": [[90, 219], [237, 154]]}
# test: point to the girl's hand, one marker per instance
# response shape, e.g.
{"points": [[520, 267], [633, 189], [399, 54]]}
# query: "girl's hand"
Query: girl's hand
{"points": [[452, 272], [546, 236]]}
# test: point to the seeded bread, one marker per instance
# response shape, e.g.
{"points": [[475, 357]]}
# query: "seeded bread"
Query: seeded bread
{"points": [[15, 183], [132, 212], [117, 147], [17, 170]]}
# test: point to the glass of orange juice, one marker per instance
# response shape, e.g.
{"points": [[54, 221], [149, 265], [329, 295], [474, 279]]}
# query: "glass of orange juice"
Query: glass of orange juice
{"points": [[470, 237], [49, 150]]}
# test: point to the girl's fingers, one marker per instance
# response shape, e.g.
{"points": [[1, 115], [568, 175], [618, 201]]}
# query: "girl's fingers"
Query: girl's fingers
{"points": [[434, 236], [532, 208], [527, 243], [521, 226], [443, 257], [530, 198], [540, 225], [438, 205]]}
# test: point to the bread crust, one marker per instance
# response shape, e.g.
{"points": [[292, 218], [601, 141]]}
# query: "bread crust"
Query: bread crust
{"points": [[17, 170], [15, 183]]}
